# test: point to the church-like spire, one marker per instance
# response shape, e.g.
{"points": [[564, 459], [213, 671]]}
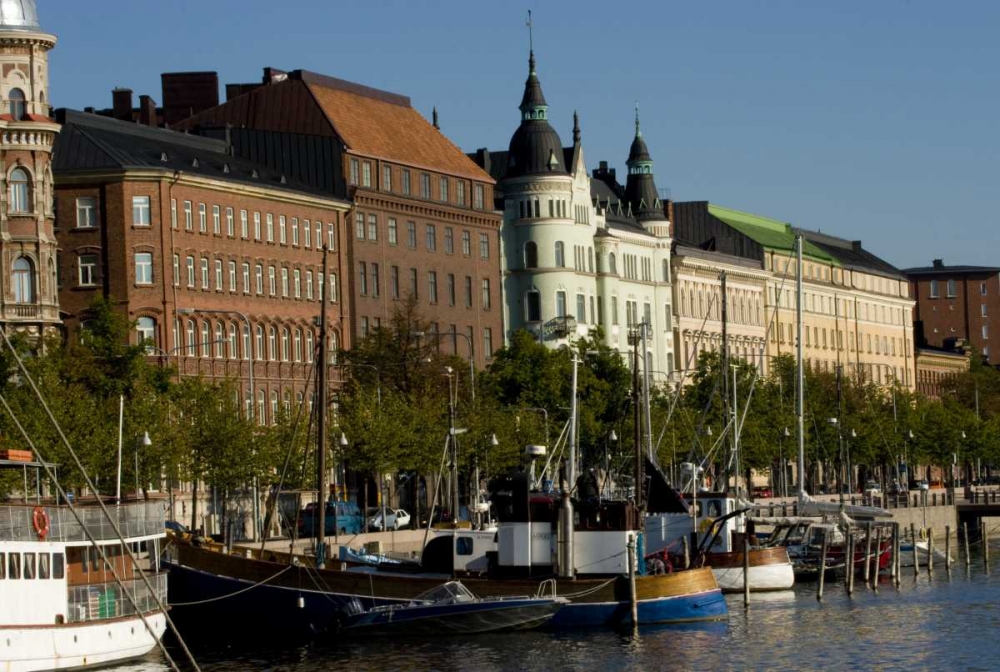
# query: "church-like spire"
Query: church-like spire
{"points": [[533, 105], [640, 189], [576, 127]]}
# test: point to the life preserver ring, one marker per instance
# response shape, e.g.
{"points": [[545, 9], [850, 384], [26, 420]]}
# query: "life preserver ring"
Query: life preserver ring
{"points": [[40, 521]]}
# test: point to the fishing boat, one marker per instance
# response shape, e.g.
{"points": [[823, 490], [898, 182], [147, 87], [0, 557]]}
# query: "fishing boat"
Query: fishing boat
{"points": [[60, 606], [803, 539], [452, 609]]}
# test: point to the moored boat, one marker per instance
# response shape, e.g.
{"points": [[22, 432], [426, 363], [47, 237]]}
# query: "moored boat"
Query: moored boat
{"points": [[452, 609], [60, 606]]}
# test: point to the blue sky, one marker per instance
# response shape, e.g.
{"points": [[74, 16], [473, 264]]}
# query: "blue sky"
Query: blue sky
{"points": [[874, 120]]}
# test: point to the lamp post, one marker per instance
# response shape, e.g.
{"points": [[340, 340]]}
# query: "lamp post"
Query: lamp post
{"points": [[835, 423], [449, 374], [145, 442], [472, 356], [783, 481], [250, 353]]}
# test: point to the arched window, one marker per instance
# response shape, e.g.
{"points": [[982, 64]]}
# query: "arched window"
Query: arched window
{"points": [[274, 407], [247, 354], [612, 264], [220, 338], [530, 255], [260, 408], [145, 330], [309, 346], [284, 345], [560, 254], [533, 306], [272, 344], [16, 100], [259, 342], [232, 342], [298, 345], [334, 344], [20, 191], [24, 281]]}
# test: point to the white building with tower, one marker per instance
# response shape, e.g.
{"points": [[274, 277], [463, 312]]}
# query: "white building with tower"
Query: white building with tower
{"points": [[580, 251]]}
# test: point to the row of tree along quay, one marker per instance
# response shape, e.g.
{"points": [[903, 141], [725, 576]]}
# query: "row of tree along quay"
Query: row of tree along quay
{"points": [[394, 409]]}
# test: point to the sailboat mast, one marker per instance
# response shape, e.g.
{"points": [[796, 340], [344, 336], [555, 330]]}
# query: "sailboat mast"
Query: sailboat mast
{"points": [[799, 379], [724, 365], [321, 424]]}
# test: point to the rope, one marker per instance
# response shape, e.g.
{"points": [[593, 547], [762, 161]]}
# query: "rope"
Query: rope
{"points": [[589, 591], [238, 592]]}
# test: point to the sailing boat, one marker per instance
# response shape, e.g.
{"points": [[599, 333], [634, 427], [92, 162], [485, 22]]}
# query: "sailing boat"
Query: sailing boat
{"points": [[544, 543]]}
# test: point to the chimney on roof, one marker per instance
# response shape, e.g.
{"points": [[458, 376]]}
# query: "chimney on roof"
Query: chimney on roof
{"points": [[483, 158], [188, 93], [434, 115], [274, 75], [147, 111], [938, 263], [121, 103]]}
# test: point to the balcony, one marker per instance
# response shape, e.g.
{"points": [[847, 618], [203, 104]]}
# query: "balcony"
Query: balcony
{"points": [[100, 601], [134, 520]]}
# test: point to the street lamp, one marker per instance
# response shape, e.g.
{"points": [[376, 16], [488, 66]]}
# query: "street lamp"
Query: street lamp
{"points": [[472, 355], [783, 481], [145, 442]]}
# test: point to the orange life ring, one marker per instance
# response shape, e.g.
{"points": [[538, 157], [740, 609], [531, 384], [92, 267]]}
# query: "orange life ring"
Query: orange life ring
{"points": [[40, 521]]}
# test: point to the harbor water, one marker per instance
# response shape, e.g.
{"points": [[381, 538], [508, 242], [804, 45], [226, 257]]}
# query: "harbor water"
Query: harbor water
{"points": [[927, 623]]}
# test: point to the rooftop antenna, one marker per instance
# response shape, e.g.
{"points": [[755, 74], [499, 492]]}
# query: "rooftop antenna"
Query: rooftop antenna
{"points": [[531, 43]]}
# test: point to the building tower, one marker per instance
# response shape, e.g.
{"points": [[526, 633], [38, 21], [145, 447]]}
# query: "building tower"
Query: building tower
{"points": [[539, 234], [29, 299], [640, 189]]}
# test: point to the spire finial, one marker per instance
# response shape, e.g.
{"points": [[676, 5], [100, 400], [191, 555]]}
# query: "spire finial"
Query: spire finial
{"points": [[531, 45], [638, 133], [434, 115], [576, 126]]}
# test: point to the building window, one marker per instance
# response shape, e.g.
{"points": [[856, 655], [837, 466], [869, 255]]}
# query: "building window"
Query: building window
{"points": [[486, 294], [284, 282], [366, 174], [244, 225], [295, 231], [425, 185], [298, 345], [934, 291], [232, 276], [406, 182], [443, 189], [86, 212], [177, 270], [460, 192], [229, 223], [216, 220], [192, 339], [24, 280], [272, 344], [20, 191], [488, 342], [560, 304], [258, 279], [431, 238], [190, 271], [386, 178], [951, 289], [451, 289], [466, 243], [468, 291], [432, 286], [206, 339], [140, 211], [144, 268], [15, 100], [173, 213], [87, 270], [982, 289], [204, 273], [319, 236], [982, 309], [331, 236], [270, 228], [256, 226], [414, 289], [359, 226], [372, 227], [484, 246], [309, 285], [394, 281], [333, 288], [375, 280], [477, 197], [614, 310], [560, 254], [392, 232], [986, 330], [581, 308], [449, 240], [218, 275], [202, 218], [188, 218], [411, 235], [306, 233], [145, 331], [355, 170], [246, 278], [533, 306], [297, 283], [362, 278], [282, 230]]}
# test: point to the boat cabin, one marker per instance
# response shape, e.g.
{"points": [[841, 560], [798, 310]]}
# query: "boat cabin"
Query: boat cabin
{"points": [[667, 528]]}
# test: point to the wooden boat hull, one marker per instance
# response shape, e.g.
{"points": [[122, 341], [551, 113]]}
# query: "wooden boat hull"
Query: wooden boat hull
{"points": [[271, 593], [770, 569]]}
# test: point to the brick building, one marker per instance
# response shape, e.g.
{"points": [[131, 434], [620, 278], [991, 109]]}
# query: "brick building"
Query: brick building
{"points": [[213, 257], [957, 302], [29, 301], [422, 221]]}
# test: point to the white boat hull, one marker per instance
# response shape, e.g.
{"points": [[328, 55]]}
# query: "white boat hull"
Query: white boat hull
{"points": [[762, 578], [82, 645]]}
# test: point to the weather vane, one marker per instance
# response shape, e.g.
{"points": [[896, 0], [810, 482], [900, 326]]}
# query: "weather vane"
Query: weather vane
{"points": [[531, 44]]}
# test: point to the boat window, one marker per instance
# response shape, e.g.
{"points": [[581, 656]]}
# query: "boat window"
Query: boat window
{"points": [[714, 509], [14, 566], [43, 565], [29, 565], [58, 566], [463, 546], [3, 566]]}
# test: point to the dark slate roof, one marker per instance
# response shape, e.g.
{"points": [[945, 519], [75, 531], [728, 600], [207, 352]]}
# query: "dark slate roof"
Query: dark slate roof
{"points": [[638, 151], [92, 143], [533, 96], [941, 269], [851, 254], [532, 147]]}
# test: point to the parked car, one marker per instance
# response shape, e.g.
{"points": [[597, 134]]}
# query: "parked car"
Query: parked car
{"points": [[342, 517], [762, 492], [395, 519]]}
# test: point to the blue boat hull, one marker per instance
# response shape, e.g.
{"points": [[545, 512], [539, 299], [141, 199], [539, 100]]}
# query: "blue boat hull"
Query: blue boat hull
{"points": [[706, 606]]}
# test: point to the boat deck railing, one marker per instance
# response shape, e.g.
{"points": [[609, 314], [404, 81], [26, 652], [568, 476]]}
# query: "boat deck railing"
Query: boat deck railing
{"points": [[134, 519], [100, 601]]}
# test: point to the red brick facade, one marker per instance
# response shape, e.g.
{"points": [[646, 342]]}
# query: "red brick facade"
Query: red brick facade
{"points": [[959, 303], [205, 269]]}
